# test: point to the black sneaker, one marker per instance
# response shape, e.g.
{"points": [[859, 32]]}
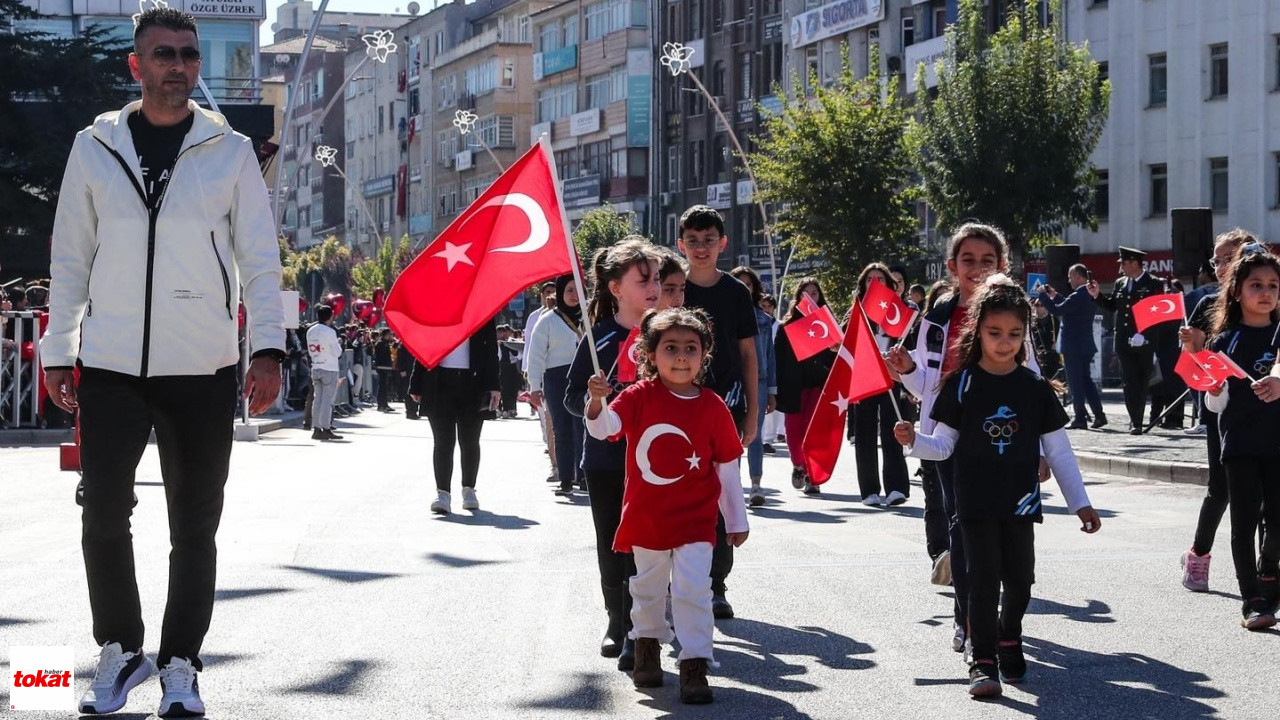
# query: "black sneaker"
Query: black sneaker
{"points": [[983, 679], [1013, 666], [809, 488], [797, 478], [1258, 615], [769, 449], [118, 672], [720, 607]]}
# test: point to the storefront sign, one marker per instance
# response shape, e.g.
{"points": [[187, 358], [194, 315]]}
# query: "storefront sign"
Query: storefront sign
{"points": [[554, 61], [639, 109], [928, 52], [378, 187], [834, 19], [720, 195], [234, 9], [584, 123], [582, 191], [463, 160]]}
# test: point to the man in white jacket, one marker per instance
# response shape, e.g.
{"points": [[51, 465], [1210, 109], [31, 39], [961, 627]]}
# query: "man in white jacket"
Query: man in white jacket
{"points": [[162, 224], [325, 350]]}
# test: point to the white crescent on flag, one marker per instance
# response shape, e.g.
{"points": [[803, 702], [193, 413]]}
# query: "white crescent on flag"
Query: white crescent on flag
{"points": [[895, 318], [539, 228], [826, 331], [1169, 310]]}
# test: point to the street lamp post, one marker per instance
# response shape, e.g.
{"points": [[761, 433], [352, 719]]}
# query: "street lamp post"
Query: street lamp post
{"points": [[327, 157]]}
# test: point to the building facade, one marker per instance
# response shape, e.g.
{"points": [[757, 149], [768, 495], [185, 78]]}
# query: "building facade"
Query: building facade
{"points": [[373, 142]]}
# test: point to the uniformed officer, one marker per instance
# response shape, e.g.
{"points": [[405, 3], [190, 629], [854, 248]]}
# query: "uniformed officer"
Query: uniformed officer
{"points": [[1135, 352]]}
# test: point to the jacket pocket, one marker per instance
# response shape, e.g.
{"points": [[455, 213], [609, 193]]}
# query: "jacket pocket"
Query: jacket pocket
{"points": [[226, 279]]}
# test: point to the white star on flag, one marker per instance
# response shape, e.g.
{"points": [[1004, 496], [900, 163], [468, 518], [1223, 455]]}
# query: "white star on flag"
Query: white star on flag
{"points": [[813, 334], [455, 254], [694, 461], [841, 403], [884, 305]]}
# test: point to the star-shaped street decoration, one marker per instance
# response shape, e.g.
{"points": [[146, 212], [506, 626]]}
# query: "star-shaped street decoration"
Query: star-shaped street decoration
{"points": [[379, 45], [326, 155], [142, 7], [694, 461], [454, 254], [464, 120], [677, 58], [841, 402]]}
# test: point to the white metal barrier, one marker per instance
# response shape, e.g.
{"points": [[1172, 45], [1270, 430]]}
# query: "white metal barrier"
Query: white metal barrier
{"points": [[20, 369]]}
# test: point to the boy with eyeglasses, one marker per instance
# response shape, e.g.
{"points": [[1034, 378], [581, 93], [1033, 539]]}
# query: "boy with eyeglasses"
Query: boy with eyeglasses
{"points": [[733, 374]]}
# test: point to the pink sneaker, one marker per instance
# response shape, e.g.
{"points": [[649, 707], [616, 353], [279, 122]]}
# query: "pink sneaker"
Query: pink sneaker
{"points": [[1195, 571]]}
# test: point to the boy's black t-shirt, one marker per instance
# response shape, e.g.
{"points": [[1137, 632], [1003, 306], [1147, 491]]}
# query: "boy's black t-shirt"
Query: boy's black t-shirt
{"points": [[733, 318], [157, 149], [1000, 419], [1248, 425]]}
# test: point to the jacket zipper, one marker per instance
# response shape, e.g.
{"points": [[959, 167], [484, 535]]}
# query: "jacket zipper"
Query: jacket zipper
{"points": [[93, 260], [153, 215], [226, 281]]}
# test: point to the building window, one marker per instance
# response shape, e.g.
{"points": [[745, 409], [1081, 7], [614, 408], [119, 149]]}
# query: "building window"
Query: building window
{"points": [[482, 78], [810, 66], [1102, 195], [694, 18], [908, 29], [1157, 80], [1159, 190], [697, 176], [717, 79], [549, 36], [557, 102], [939, 21], [746, 89], [1218, 184], [1277, 62], [720, 158], [606, 17], [673, 168], [717, 15], [595, 158], [381, 119], [570, 31], [1217, 70]]}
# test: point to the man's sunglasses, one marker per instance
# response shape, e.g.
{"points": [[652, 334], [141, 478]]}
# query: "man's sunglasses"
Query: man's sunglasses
{"points": [[166, 53]]}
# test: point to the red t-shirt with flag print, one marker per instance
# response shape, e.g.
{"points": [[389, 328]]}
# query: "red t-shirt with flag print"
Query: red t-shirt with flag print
{"points": [[672, 490]]}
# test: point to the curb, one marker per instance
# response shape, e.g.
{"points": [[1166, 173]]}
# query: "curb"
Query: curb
{"points": [[1166, 471], [32, 437]]}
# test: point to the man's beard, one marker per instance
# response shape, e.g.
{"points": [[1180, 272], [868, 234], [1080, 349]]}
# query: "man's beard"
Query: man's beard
{"points": [[171, 96]]}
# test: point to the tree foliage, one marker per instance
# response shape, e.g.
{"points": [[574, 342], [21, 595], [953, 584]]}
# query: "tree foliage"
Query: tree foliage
{"points": [[837, 165], [330, 258], [1008, 134], [381, 270], [53, 88], [602, 227]]}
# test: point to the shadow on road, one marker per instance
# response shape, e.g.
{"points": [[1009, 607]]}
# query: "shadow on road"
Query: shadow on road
{"points": [[809, 516], [242, 593], [666, 700], [484, 517], [748, 652], [344, 680], [7, 621], [347, 576], [589, 693], [459, 562], [1094, 611]]}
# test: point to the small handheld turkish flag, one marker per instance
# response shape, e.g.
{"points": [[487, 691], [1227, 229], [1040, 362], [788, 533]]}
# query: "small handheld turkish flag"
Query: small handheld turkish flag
{"points": [[806, 306], [1196, 375], [1158, 309], [813, 333], [629, 357], [886, 309], [1220, 365]]}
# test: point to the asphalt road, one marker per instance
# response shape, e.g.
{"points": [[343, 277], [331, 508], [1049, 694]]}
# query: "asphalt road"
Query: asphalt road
{"points": [[341, 596]]}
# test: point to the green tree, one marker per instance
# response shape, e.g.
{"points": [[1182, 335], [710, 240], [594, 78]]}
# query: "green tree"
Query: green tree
{"points": [[381, 270], [330, 258], [602, 227], [1007, 136], [53, 88], [837, 165]]}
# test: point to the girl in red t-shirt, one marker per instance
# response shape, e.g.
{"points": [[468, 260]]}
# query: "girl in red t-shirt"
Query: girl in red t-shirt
{"points": [[682, 470]]}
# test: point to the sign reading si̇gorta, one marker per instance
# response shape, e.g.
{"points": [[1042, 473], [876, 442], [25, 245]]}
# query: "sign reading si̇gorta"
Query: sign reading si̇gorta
{"points": [[834, 19]]}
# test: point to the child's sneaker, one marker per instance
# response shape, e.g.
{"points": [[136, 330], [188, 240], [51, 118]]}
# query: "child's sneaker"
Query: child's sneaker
{"points": [[469, 500], [757, 495], [797, 477], [1013, 665], [648, 669], [694, 689], [1258, 615], [1195, 571], [983, 680], [440, 505], [809, 488]]}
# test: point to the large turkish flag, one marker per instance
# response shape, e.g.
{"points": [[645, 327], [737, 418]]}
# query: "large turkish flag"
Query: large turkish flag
{"points": [[511, 237]]}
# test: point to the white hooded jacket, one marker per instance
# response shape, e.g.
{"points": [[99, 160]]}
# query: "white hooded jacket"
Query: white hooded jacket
{"points": [[151, 294]]}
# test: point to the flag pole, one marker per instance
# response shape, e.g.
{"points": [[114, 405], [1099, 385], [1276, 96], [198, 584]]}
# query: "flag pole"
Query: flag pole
{"points": [[896, 410], [545, 142]]}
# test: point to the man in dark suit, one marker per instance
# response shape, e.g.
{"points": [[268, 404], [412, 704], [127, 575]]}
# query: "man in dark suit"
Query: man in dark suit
{"points": [[1076, 310], [1135, 352]]}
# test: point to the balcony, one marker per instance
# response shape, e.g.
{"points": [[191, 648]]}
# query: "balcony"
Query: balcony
{"points": [[235, 91]]}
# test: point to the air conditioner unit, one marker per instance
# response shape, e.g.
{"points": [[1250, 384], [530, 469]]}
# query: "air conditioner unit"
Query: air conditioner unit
{"points": [[446, 161], [719, 99]]}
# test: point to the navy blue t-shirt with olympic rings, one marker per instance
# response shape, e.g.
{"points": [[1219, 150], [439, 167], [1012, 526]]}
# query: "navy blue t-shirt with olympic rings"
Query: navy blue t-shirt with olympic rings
{"points": [[1000, 419]]}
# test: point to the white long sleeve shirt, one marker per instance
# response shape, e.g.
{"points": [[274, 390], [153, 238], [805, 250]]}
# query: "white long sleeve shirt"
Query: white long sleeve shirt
{"points": [[324, 348], [552, 343]]}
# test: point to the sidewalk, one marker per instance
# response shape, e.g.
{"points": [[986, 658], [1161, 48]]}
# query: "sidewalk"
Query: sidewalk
{"points": [[1169, 455]]}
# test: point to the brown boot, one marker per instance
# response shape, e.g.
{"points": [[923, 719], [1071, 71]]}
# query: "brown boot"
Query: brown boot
{"points": [[648, 670], [694, 689]]}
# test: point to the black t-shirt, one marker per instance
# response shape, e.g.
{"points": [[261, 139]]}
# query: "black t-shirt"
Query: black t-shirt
{"points": [[1248, 426], [733, 318], [158, 149], [1202, 314], [1000, 419]]}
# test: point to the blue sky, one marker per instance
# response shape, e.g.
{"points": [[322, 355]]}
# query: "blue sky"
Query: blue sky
{"points": [[374, 6]]}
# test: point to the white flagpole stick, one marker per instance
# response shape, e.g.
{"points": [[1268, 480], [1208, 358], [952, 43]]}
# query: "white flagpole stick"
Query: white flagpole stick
{"points": [[916, 315], [896, 410], [545, 142]]}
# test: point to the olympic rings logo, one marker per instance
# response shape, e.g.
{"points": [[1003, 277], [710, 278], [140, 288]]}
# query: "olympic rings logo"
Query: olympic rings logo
{"points": [[997, 431]]}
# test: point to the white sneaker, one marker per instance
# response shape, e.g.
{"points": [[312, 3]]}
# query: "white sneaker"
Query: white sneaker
{"points": [[181, 690], [1197, 430], [968, 652], [757, 495], [118, 672], [469, 501], [871, 500], [440, 505], [958, 641], [895, 498]]}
